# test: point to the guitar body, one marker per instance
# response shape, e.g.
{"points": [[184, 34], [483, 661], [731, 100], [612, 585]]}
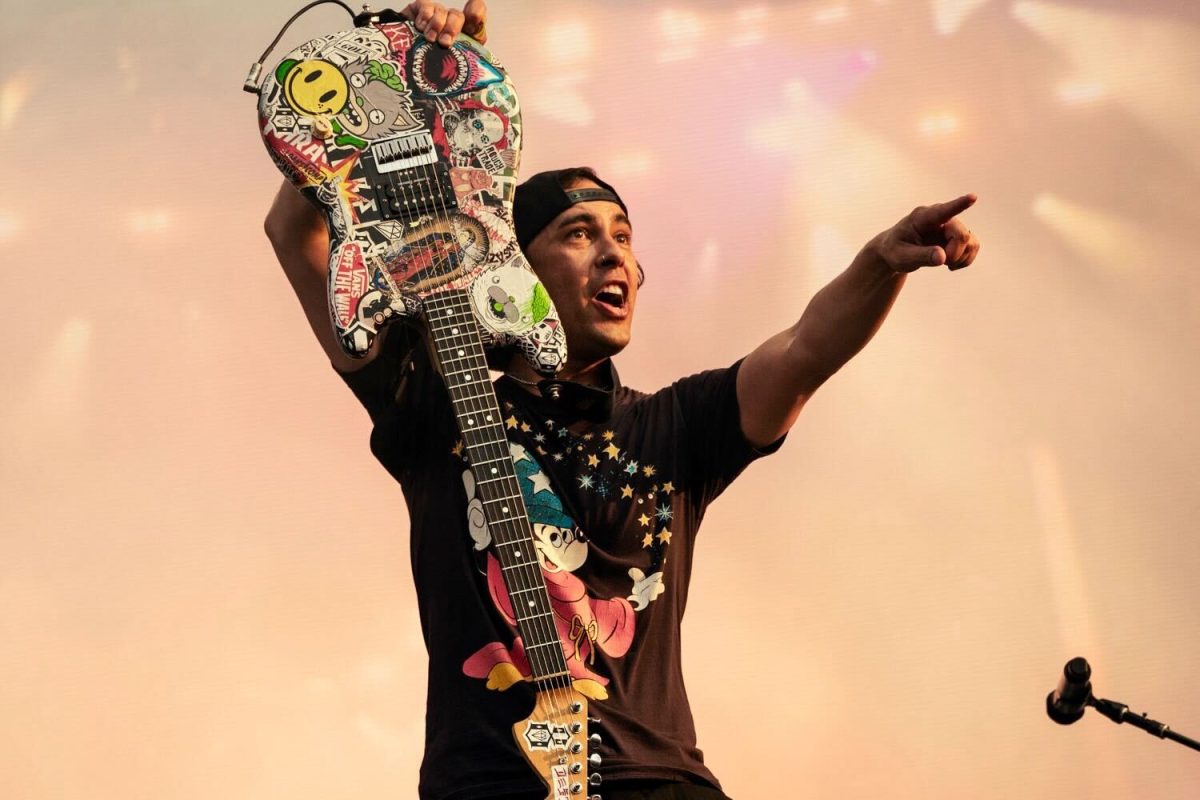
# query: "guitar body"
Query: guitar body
{"points": [[411, 150]]}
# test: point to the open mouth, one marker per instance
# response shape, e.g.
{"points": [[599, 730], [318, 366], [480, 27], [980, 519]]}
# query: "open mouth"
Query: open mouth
{"points": [[611, 296]]}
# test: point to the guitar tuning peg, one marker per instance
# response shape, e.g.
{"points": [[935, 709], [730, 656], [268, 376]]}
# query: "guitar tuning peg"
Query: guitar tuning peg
{"points": [[594, 740], [593, 720], [594, 760], [593, 797], [594, 779]]}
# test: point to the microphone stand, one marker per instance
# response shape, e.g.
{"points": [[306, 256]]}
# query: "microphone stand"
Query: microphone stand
{"points": [[1119, 712]]}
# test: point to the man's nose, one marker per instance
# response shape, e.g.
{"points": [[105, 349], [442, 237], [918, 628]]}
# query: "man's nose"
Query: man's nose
{"points": [[611, 254]]}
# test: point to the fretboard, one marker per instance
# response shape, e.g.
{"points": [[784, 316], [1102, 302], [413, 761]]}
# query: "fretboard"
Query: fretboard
{"points": [[463, 364]]}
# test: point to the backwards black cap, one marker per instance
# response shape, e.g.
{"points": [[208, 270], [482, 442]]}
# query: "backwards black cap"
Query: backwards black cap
{"points": [[541, 198]]}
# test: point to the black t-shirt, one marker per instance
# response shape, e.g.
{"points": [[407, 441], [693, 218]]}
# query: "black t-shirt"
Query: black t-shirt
{"points": [[615, 500]]}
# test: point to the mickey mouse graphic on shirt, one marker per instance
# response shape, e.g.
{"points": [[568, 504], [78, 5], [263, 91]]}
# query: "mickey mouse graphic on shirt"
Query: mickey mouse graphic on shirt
{"points": [[585, 624]]}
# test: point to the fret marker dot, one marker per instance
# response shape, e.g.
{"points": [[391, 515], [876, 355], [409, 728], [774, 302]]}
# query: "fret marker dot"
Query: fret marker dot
{"points": [[494, 470], [470, 422], [505, 509], [531, 604], [466, 376], [489, 418], [462, 352], [454, 330], [517, 554]]}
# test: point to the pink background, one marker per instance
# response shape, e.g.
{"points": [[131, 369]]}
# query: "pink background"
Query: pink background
{"points": [[204, 585]]}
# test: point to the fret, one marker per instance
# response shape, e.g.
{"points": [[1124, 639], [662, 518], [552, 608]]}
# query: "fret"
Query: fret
{"points": [[480, 396], [495, 460], [555, 643], [459, 319], [497, 450], [496, 479], [524, 565], [480, 360], [507, 510], [538, 615]]}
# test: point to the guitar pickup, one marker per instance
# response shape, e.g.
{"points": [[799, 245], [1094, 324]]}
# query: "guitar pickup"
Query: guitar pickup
{"points": [[413, 193], [403, 152]]}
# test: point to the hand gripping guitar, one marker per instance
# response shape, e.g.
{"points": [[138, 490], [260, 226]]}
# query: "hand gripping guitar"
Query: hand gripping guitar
{"points": [[411, 150]]}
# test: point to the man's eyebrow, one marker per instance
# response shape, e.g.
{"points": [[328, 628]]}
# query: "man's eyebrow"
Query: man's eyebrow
{"points": [[591, 219]]}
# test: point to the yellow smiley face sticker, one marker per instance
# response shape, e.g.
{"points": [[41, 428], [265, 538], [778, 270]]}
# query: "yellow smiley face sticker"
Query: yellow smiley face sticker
{"points": [[314, 86]]}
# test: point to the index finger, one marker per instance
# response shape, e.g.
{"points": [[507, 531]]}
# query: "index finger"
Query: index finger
{"points": [[939, 214]]}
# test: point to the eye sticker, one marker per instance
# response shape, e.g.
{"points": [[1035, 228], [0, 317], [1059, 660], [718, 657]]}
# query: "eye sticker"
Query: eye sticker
{"points": [[445, 71]]}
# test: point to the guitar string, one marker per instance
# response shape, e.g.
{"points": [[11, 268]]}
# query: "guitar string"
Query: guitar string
{"points": [[559, 688], [560, 684], [535, 583]]}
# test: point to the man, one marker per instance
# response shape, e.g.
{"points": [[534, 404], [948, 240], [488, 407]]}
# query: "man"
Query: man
{"points": [[615, 481]]}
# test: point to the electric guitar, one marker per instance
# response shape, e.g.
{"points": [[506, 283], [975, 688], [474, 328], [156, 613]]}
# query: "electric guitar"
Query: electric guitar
{"points": [[411, 150]]}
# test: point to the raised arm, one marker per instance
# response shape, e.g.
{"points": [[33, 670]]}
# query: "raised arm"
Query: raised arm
{"points": [[781, 374], [301, 241]]}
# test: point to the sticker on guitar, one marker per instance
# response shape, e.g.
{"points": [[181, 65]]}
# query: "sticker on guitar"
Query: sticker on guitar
{"points": [[411, 150]]}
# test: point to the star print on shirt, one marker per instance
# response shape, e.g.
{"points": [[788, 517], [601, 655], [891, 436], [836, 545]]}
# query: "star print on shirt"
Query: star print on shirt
{"points": [[600, 467], [540, 482]]}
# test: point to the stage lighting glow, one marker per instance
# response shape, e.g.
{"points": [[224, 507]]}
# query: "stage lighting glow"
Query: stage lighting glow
{"points": [[1061, 552], [751, 26], [1150, 66], [831, 14], [681, 33], [128, 67], [938, 123], [568, 42], [1079, 93], [561, 99], [13, 95], [10, 226], [709, 260], [57, 390], [150, 221], [627, 165], [1105, 240], [948, 15]]}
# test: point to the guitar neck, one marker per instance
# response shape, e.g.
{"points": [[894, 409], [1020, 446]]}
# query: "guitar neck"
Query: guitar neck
{"points": [[462, 362]]}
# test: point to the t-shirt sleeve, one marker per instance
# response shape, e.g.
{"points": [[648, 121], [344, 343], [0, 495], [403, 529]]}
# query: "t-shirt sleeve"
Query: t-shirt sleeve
{"points": [[403, 394], [716, 449]]}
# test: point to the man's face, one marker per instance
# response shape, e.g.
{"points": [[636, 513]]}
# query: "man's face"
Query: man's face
{"points": [[584, 257]]}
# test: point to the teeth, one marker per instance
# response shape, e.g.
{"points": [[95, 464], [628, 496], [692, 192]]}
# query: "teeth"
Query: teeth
{"points": [[613, 288]]}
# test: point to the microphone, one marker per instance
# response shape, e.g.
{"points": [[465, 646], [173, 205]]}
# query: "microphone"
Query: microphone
{"points": [[1066, 703]]}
